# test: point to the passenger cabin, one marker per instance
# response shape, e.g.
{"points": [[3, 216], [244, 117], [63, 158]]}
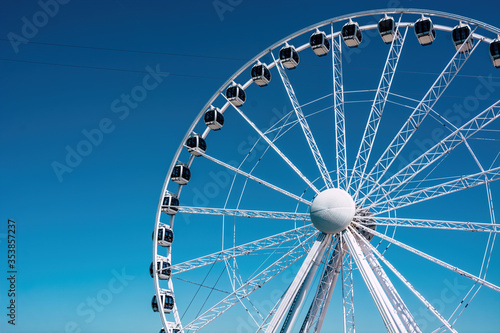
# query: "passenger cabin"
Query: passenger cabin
{"points": [[387, 29], [163, 268], [214, 119], [424, 30], [170, 204], [181, 173], [166, 302], [319, 43], [495, 52], [351, 34], [165, 235], [235, 94], [261, 75], [196, 145], [460, 36], [289, 57]]}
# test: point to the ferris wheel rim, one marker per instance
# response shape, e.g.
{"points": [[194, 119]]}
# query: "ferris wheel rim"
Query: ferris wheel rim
{"points": [[259, 56]]}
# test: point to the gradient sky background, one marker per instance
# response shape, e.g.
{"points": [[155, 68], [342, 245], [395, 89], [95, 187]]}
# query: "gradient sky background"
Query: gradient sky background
{"points": [[77, 233]]}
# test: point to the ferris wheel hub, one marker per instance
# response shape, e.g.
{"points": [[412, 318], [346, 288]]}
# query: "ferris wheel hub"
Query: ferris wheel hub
{"points": [[332, 211]]}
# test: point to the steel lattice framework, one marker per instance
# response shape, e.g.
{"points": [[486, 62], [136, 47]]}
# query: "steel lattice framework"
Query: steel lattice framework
{"points": [[273, 245]]}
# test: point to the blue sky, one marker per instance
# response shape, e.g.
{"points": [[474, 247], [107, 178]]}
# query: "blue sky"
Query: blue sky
{"points": [[84, 231]]}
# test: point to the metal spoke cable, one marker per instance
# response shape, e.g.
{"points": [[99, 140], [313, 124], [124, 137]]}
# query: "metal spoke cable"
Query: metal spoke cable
{"points": [[407, 283], [212, 289], [198, 290]]}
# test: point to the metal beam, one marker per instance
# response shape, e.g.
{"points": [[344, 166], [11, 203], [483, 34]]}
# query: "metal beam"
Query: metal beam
{"points": [[338, 105], [389, 315], [249, 287], [245, 249], [418, 115], [389, 289], [305, 126], [378, 105], [431, 258], [312, 259]]}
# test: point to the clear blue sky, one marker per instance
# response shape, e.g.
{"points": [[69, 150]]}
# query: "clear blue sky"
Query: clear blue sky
{"points": [[85, 232]]}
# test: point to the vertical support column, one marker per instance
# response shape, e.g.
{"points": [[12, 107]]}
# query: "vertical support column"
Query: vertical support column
{"points": [[313, 258], [389, 315]]}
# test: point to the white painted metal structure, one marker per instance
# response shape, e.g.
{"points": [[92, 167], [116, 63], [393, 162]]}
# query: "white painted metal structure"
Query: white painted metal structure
{"points": [[407, 183]]}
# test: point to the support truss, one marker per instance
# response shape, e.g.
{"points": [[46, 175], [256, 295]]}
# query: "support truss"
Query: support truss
{"points": [[413, 290], [347, 292], [305, 127], [312, 259], [418, 115], [272, 145], [246, 213], [445, 146], [432, 259], [258, 180], [387, 311], [389, 289], [338, 104], [245, 249], [248, 288], [435, 224], [378, 106], [431, 192], [321, 300]]}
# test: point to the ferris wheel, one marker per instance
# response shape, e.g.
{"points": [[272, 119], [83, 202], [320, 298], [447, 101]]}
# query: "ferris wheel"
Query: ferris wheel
{"points": [[343, 172]]}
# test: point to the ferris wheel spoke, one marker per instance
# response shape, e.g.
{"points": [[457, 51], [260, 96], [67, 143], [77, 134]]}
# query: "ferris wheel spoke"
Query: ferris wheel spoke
{"points": [[250, 286], [258, 180], [246, 213], [378, 106], [301, 233], [317, 311], [437, 224], [372, 278], [442, 148], [417, 117], [407, 284], [292, 300], [423, 194], [275, 148], [304, 125], [430, 258], [339, 114]]}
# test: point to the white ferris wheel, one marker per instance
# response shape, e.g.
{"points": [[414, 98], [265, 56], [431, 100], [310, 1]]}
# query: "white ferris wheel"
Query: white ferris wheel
{"points": [[343, 178]]}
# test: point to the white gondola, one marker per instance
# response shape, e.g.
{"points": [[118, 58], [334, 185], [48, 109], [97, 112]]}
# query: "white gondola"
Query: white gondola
{"points": [[165, 235], [495, 52], [170, 204], [214, 119], [459, 36], [424, 30], [196, 145], [289, 57], [163, 268], [166, 301], [351, 34], [387, 29], [261, 75], [319, 43], [181, 173], [235, 94]]}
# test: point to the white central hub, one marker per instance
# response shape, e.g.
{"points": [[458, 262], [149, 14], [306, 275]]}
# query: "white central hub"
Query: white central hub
{"points": [[332, 211]]}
